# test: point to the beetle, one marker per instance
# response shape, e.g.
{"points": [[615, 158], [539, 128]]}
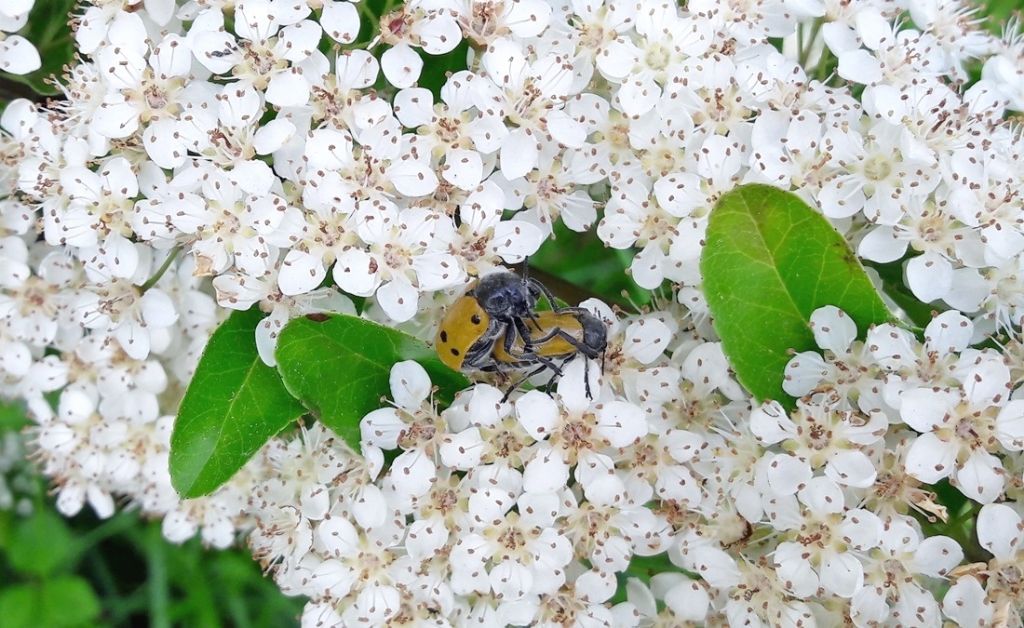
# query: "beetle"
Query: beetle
{"points": [[493, 312]]}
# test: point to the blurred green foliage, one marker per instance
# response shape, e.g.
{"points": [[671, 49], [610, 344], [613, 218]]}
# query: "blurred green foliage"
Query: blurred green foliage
{"points": [[57, 572], [997, 12]]}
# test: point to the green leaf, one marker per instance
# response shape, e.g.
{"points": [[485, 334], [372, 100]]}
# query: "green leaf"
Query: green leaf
{"points": [[19, 606], [769, 261], [234, 404], [67, 601], [63, 602], [339, 366], [39, 544], [47, 28]]}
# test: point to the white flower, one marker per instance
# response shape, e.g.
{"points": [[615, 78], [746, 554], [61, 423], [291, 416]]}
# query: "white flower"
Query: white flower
{"points": [[820, 554], [532, 92], [685, 600], [131, 318], [483, 238], [820, 435], [142, 85], [435, 31], [904, 557], [520, 18], [412, 426], [873, 174], [454, 137], [510, 557], [956, 425], [404, 257], [844, 366], [1000, 67], [274, 45], [894, 56], [98, 214]]}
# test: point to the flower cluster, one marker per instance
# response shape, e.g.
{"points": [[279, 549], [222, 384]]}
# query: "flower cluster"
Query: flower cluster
{"points": [[890, 415], [291, 155]]}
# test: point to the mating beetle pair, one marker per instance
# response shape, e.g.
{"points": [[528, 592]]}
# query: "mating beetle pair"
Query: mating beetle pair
{"points": [[495, 326]]}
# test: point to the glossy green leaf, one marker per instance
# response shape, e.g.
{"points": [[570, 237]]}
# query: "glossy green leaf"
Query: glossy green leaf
{"points": [[39, 544], [339, 366], [234, 404], [769, 261]]}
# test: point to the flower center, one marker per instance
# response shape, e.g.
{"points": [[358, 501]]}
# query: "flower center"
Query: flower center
{"points": [[877, 168], [657, 56], [259, 62]]}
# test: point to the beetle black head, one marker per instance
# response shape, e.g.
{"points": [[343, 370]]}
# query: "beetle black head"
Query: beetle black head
{"points": [[504, 295]]}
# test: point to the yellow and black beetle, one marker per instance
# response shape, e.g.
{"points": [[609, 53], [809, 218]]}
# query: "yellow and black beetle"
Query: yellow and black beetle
{"points": [[494, 327], [490, 313]]}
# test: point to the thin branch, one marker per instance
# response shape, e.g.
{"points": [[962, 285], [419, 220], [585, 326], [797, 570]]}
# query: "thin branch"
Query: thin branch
{"points": [[160, 271]]}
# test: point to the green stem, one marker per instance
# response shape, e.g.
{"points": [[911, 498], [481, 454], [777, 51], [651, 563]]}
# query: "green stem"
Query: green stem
{"points": [[104, 577], [805, 47], [160, 271], [238, 610], [126, 606], [159, 593]]}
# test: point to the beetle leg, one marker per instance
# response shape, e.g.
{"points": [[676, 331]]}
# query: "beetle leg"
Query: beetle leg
{"points": [[513, 388], [524, 332], [481, 350], [547, 294], [554, 379], [551, 334], [548, 363]]}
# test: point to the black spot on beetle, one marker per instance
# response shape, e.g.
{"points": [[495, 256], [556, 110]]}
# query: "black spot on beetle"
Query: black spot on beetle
{"points": [[444, 336]]}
